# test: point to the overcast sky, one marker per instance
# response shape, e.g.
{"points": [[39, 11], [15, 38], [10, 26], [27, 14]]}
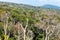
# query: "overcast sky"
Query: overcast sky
{"points": [[35, 2]]}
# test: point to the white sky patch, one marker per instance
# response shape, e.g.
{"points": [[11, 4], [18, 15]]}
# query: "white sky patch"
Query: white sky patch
{"points": [[53, 2], [49, 1]]}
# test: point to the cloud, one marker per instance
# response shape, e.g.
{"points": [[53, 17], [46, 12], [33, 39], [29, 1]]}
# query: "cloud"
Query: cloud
{"points": [[49, 1], [53, 2]]}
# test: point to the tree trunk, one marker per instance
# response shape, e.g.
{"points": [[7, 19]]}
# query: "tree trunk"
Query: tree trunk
{"points": [[18, 34], [24, 34], [46, 38], [43, 36]]}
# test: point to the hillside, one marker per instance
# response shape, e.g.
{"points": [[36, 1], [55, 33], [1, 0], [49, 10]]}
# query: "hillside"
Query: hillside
{"points": [[51, 6], [26, 22]]}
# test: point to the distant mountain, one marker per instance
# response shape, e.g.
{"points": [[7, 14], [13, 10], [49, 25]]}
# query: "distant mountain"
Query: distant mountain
{"points": [[18, 5], [25, 6], [51, 6], [29, 6]]}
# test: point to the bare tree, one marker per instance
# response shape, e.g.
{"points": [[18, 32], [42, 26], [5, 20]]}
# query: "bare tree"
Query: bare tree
{"points": [[21, 30], [30, 35], [47, 24], [4, 18]]}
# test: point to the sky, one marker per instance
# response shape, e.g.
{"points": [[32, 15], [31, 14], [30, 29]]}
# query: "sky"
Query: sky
{"points": [[35, 2]]}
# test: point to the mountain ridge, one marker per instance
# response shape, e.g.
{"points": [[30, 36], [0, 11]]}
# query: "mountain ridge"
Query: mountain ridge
{"points": [[46, 6], [50, 6]]}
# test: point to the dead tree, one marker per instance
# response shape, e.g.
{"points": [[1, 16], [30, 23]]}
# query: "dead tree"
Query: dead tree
{"points": [[48, 27], [21, 30], [4, 18], [30, 35]]}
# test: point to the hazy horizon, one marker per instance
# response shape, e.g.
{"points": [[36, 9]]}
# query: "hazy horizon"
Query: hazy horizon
{"points": [[35, 2]]}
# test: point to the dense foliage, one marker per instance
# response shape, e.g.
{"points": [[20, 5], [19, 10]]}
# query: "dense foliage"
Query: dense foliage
{"points": [[37, 23]]}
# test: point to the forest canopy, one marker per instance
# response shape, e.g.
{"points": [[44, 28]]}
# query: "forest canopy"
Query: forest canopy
{"points": [[25, 22]]}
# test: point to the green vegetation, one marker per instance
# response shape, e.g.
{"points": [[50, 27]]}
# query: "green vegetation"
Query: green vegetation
{"points": [[24, 22]]}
